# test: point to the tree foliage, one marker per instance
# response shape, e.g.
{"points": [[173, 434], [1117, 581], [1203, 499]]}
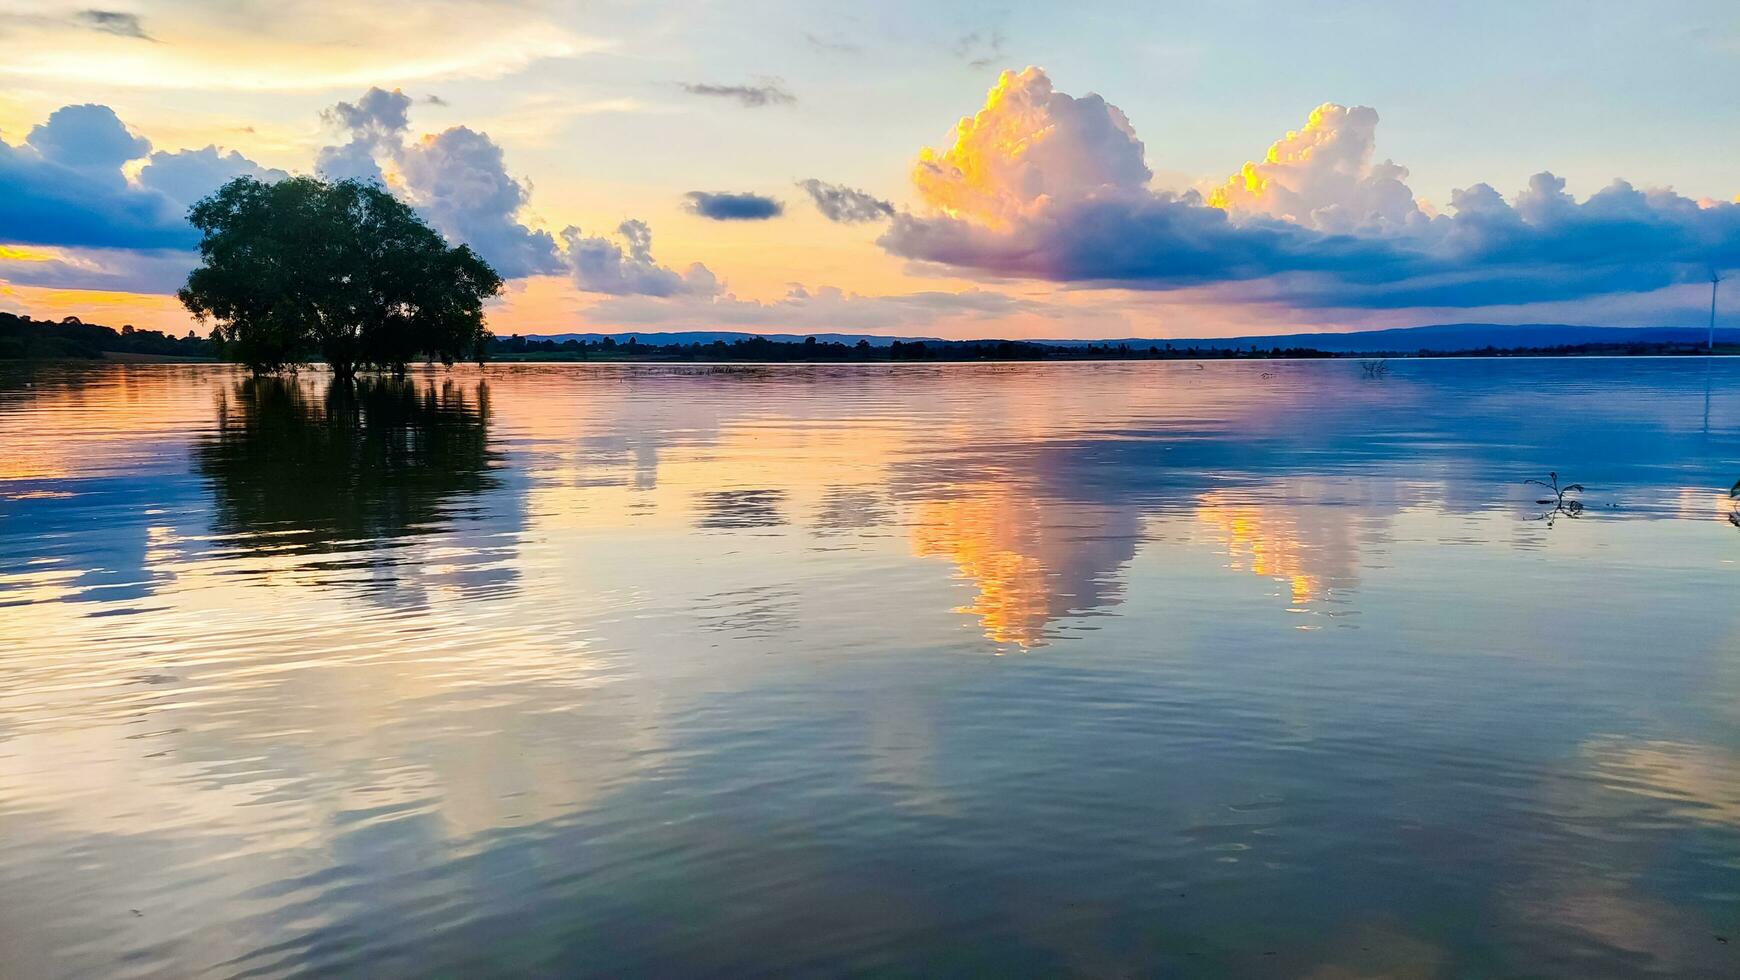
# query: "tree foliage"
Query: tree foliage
{"points": [[344, 270]]}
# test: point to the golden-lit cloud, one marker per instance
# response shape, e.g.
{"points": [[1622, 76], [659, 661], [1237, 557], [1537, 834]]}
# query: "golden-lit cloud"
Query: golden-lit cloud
{"points": [[1040, 185], [1030, 145], [1322, 176]]}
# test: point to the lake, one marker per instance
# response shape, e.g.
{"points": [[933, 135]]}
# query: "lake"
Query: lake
{"points": [[1241, 669]]}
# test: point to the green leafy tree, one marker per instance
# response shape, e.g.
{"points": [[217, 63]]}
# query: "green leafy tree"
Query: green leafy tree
{"points": [[344, 269]]}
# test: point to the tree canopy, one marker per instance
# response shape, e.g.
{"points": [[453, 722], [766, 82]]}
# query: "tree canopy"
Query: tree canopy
{"points": [[343, 269]]}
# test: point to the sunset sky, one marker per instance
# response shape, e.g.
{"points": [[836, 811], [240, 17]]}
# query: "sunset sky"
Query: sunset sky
{"points": [[961, 170]]}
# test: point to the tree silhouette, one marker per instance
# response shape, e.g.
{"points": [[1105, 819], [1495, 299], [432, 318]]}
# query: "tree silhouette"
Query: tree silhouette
{"points": [[345, 269]]}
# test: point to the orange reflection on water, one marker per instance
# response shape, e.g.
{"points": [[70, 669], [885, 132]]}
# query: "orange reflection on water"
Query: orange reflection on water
{"points": [[983, 535], [1280, 543], [1033, 560]]}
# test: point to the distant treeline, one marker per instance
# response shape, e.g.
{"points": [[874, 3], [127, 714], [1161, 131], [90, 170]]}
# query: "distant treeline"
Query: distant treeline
{"points": [[518, 348], [21, 337]]}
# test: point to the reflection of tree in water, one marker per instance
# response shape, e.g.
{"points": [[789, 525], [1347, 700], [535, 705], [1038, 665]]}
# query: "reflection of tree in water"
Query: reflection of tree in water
{"points": [[379, 458]]}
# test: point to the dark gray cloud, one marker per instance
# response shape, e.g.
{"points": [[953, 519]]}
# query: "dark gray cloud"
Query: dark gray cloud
{"points": [[728, 206], [114, 22], [846, 205], [751, 96]]}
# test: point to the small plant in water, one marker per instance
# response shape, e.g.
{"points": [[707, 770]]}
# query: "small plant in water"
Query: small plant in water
{"points": [[1562, 502], [1375, 369]]}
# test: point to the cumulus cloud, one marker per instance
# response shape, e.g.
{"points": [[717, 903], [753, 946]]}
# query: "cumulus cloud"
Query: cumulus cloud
{"points": [[750, 96], [1042, 185], [185, 176], [1322, 176], [89, 138], [65, 186], [1030, 146], [457, 179], [376, 125], [727, 206], [846, 205], [627, 267]]}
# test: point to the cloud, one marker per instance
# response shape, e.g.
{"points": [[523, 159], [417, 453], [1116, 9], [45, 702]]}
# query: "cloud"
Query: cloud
{"points": [[601, 265], [1030, 147], [980, 49], [832, 44], [376, 124], [727, 206], [65, 185], [89, 138], [113, 22], [185, 176], [284, 46], [109, 269], [845, 205], [1322, 177], [1045, 186], [457, 179], [750, 96]]}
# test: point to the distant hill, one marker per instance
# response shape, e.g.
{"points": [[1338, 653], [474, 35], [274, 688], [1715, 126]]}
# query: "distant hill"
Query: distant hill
{"points": [[660, 339], [1450, 337], [1437, 338]]}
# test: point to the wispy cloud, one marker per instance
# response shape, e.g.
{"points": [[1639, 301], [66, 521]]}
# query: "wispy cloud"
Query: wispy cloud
{"points": [[114, 22], [980, 49], [832, 44], [750, 96], [846, 205]]}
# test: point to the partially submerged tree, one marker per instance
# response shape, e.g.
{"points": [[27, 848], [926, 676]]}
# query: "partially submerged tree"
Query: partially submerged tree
{"points": [[345, 270]]}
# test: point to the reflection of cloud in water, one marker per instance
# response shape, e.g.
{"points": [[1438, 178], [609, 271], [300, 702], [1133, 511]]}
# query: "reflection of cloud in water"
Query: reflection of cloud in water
{"points": [[733, 509], [1031, 561], [1696, 782], [1311, 550]]}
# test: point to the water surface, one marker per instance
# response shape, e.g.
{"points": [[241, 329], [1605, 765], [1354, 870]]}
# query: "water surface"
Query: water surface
{"points": [[1133, 669]]}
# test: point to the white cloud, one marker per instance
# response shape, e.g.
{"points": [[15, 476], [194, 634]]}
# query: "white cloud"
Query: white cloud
{"points": [[1322, 177], [627, 268]]}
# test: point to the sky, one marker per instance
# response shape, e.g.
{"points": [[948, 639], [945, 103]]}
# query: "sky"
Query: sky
{"points": [[1013, 170]]}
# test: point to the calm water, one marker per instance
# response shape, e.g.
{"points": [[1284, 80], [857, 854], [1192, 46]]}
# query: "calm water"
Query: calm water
{"points": [[1252, 670]]}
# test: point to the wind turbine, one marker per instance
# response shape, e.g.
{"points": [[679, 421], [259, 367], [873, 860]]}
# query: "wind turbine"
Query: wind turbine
{"points": [[1714, 280]]}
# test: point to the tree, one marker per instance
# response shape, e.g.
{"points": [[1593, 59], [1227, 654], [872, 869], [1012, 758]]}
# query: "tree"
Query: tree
{"points": [[344, 269]]}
